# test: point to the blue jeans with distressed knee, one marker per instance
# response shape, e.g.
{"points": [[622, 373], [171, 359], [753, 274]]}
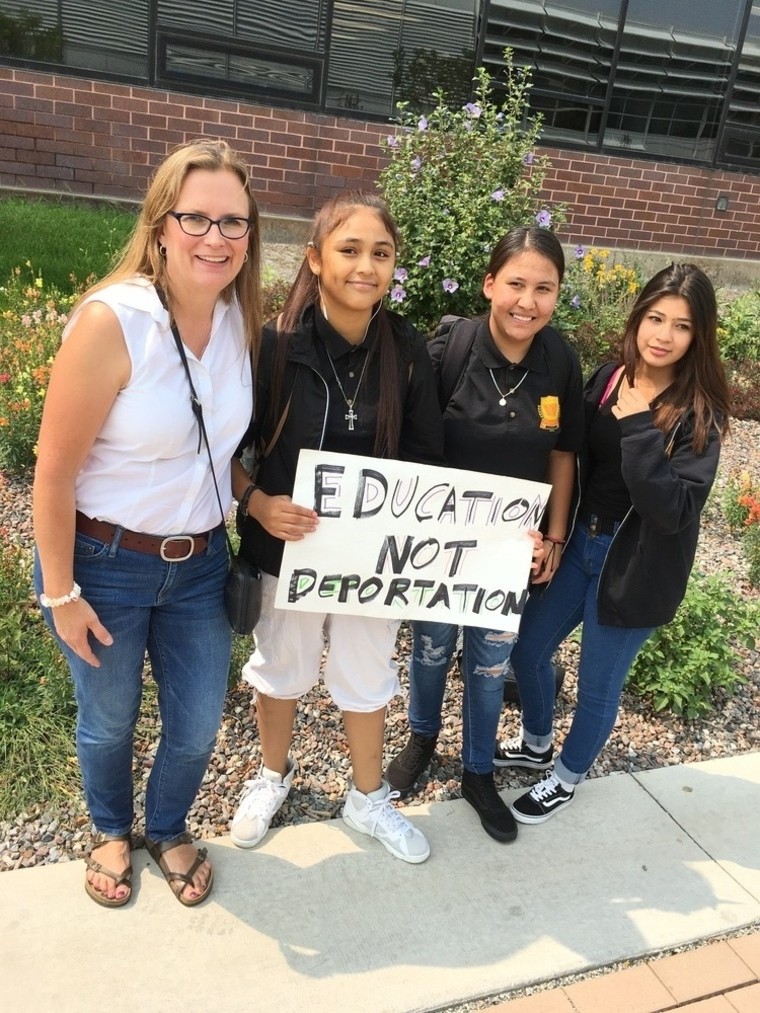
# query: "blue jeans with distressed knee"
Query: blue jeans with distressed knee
{"points": [[485, 661]]}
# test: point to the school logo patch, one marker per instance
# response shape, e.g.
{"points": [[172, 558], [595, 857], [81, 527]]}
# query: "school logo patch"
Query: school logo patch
{"points": [[548, 410]]}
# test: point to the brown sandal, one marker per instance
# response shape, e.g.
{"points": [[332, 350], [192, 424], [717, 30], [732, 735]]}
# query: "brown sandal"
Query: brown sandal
{"points": [[123, 879], [179, 881]]}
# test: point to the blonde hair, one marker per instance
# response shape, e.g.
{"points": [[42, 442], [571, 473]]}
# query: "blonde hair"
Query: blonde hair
{"points": [[141, 255]]}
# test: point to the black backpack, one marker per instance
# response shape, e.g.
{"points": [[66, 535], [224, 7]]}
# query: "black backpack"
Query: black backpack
{"points": [[456, 353]]}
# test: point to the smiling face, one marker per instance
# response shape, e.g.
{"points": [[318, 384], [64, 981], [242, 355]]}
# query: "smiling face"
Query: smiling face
{"points": [[664, 336], [354, 266], [523, 294], [205, 264]]}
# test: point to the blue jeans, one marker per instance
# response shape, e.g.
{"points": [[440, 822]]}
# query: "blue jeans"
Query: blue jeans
{"points": [[607, 653], [175, 612], [485, 662]]}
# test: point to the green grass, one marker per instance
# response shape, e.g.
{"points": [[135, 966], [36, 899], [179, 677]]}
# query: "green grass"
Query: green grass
{"points": [[61, 239]]}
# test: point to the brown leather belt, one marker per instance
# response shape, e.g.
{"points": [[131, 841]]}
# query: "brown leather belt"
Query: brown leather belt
{"points": [[172, 548]]}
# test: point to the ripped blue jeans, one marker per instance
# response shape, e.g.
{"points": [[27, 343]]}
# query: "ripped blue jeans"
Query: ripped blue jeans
{"points": [[485, 660]]}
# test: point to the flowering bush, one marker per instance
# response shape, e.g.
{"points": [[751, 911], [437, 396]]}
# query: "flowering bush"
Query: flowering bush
{"points": [[595, 300], [457, 180], [32, 321], [741, 509], [739, 328]]}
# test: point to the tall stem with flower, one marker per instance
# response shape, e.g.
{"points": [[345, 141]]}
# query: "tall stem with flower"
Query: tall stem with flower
{"points": [[457, 180]]}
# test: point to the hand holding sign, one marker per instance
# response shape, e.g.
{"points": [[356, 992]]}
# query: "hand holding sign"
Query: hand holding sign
{"points": [[410, 541]]}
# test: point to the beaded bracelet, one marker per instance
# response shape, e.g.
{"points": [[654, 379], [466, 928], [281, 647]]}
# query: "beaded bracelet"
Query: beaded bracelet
{"points": [[53, 603]]}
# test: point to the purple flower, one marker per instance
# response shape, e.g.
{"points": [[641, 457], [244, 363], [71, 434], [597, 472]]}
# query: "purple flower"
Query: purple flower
{"points": [[575, 302], [422, 123], [425, 262], [544, 219], [400, 274], [392, 141], [528, 158], [473, 109], [450, 285], [397, 294], [497, 195], [416, 163], [580, 252]]}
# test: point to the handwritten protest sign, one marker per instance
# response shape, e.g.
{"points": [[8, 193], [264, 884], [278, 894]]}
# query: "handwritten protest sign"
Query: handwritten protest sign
{"points": [[411, 541]]}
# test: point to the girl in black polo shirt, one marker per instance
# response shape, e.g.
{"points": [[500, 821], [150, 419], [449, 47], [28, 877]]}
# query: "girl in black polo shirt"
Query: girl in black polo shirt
{"points": [[516, 410], [654, 427]]}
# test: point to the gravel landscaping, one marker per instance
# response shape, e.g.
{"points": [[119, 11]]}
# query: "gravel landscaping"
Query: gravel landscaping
{"points": [[641, 740]]}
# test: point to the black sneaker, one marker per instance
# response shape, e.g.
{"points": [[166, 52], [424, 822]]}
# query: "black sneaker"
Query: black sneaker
{"points": [[495, 817], [542, 801], [410, 764], [515, 753]]}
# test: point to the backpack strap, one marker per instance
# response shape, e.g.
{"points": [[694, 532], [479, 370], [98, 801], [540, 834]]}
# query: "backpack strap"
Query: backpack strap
{"points": [[460, 333]]}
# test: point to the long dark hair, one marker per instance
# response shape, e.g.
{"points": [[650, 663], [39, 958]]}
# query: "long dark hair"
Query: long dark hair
{"points": [[700, 386], [305, 293], [527, 237]]}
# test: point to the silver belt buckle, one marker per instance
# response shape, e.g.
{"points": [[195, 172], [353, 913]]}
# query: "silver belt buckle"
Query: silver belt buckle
{"points": [[177, 538]]}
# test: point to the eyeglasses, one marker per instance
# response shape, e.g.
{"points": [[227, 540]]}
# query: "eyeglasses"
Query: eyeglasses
{"points": [[199, 225]]}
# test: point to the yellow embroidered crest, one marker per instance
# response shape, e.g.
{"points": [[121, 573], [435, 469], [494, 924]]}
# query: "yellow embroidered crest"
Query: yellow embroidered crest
{"points": [[548, 410]]}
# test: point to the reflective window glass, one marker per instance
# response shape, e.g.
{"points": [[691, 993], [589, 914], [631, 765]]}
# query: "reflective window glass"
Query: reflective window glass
{"points": [[672, 76], [569, 48], [742, 135], [386, 51]]}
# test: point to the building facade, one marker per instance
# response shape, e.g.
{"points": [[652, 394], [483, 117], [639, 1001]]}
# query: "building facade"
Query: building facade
{"points": [[651, 108]]}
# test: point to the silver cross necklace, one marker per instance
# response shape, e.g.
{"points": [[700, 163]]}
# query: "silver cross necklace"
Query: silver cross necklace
{"points": [[505, 394], [350, 415]]}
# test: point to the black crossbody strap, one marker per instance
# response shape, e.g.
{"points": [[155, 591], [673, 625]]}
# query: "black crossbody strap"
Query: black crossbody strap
{"points": [[197, 408]]}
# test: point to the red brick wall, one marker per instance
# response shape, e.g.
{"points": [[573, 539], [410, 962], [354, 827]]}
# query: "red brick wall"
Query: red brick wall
{"points": [[96, 138]]}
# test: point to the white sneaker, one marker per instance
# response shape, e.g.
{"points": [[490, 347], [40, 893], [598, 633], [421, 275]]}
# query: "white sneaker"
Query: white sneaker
{"points": [[376, 816], [261, 799]]}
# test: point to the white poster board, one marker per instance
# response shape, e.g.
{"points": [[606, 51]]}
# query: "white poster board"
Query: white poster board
{"points": [[410, 541]]}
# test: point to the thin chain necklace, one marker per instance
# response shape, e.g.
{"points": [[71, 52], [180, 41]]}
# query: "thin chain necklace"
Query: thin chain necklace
{"points": [[351, 415], [505, 394]]}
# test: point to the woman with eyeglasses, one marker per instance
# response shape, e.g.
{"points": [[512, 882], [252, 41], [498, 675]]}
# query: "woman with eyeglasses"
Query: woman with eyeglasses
{"points": [[131, 551]]}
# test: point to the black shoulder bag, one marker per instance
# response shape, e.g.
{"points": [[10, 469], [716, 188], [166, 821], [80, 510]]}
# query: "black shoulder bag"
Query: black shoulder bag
{"points": [[242, 592]]}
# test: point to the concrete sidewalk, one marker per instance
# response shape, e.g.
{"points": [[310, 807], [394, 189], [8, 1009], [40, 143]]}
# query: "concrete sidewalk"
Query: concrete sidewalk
{"points": [[319, 918]]}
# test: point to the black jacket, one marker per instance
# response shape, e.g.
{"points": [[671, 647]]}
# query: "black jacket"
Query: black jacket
{"points": [[421, 427], [644, 577]]}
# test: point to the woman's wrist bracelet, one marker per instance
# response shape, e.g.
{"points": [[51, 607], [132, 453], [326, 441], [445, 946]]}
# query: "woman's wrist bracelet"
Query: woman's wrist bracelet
{"points": [[244, 499], [554, 541], [53, 603]]}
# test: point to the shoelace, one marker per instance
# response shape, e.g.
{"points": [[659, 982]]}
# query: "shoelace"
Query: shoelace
{"points": [[259, 797], [513, 745], [549, 786], [387, 816]]}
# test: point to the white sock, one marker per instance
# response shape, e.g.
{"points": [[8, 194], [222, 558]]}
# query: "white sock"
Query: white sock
{"points": [[271, 775]]}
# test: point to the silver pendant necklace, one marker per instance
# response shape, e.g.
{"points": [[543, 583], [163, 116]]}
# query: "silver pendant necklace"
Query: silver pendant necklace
{"points": [[350, 415], [505, 394]]}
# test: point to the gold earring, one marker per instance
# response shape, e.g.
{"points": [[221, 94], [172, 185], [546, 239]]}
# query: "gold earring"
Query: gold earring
{"points": [[245, 258]]}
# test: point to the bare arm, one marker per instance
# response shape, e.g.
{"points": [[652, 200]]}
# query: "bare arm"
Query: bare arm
{"points": [[90, 369], [561, 474], [278, 515]]}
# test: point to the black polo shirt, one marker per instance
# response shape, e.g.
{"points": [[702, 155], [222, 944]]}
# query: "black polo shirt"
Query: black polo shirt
{"points": [[543, 410]]}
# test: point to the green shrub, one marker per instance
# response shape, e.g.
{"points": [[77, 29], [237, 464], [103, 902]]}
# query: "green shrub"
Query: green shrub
{"points": [[739, 328], [751, 543], [32, 322], [37, 763], [595, 300], [743, 389], [682, 664], [457, 180]]}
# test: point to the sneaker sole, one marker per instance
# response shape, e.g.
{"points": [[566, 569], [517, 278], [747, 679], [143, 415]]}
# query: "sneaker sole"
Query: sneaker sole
{"points": [[410, 859], [522, 818], [524, 764]]}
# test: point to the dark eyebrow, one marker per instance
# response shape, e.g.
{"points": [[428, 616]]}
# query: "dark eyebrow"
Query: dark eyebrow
{"points": [[375, 242]]}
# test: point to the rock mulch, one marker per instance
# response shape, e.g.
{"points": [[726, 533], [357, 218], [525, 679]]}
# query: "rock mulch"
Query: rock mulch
{"points": [[641, 740]]}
